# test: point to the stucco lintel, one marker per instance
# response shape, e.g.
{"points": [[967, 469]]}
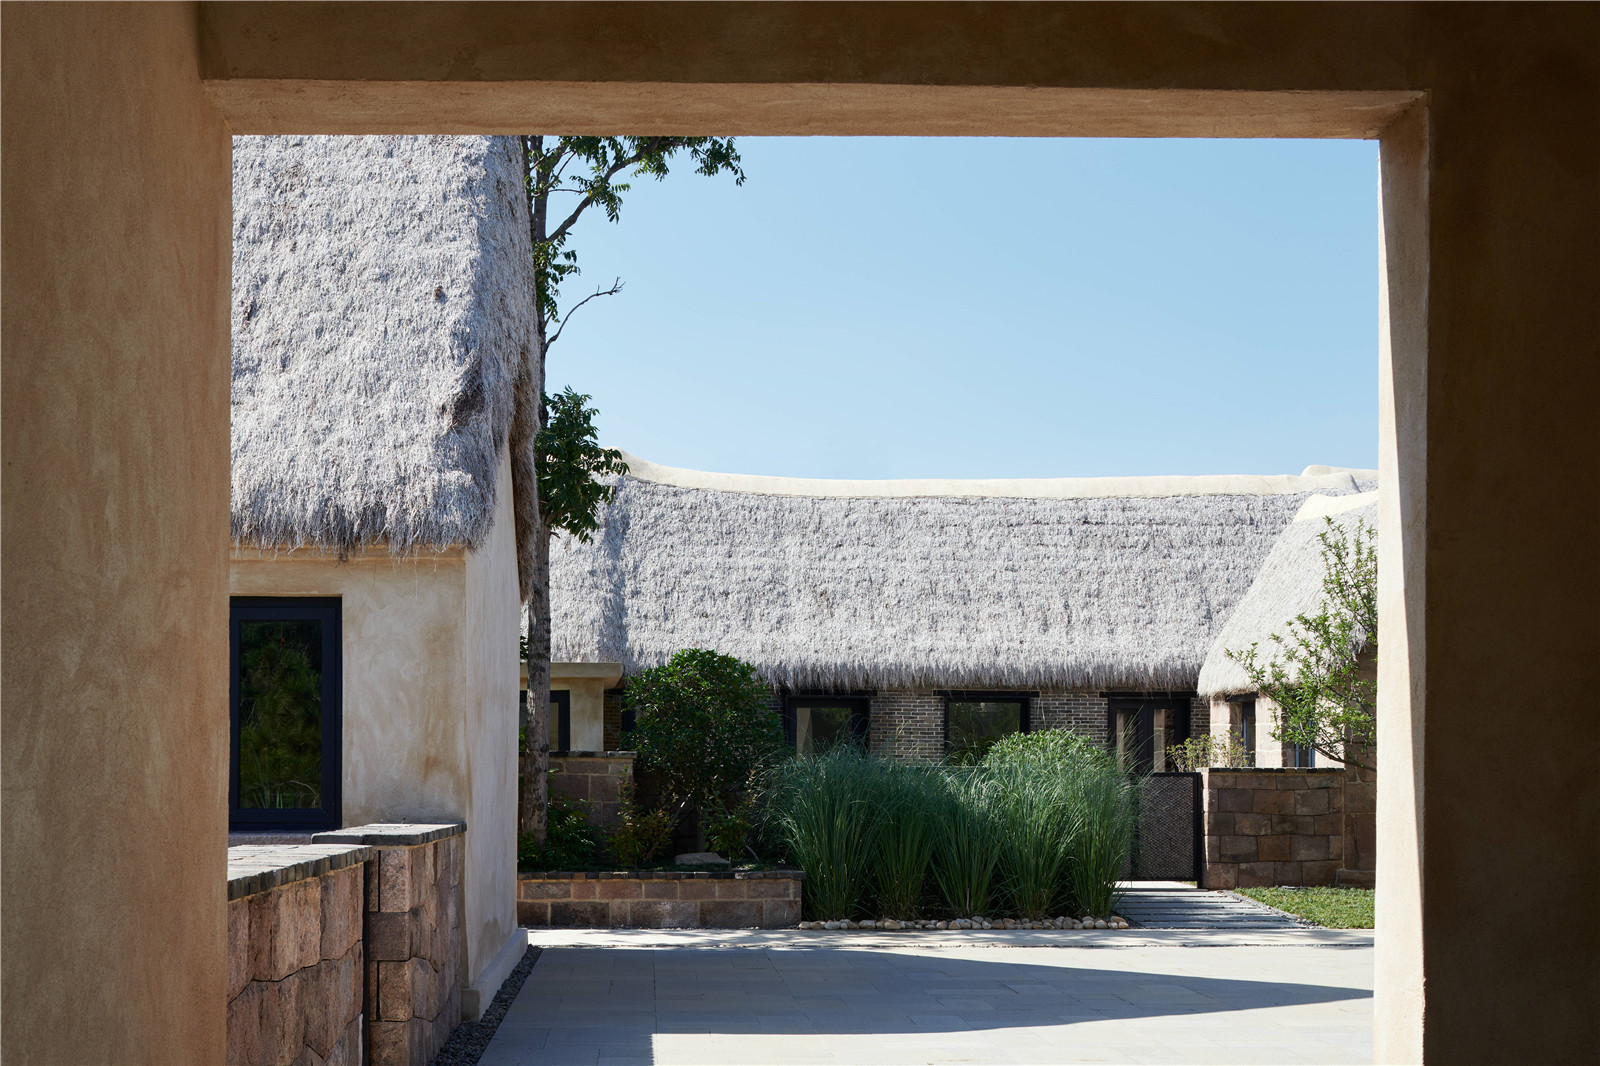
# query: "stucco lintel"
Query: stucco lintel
{"points": [[607, 672]]}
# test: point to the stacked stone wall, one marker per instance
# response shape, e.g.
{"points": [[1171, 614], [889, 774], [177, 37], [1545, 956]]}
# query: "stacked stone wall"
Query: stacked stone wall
{"points": [[1273, 827], [295, 955], [660, 899], [593, 779]]}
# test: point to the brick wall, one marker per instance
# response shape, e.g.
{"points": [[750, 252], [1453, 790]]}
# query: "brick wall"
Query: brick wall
{"points": [[1273, 827], [1082, 712], [664, 899], [594, 779], [906, 724]]}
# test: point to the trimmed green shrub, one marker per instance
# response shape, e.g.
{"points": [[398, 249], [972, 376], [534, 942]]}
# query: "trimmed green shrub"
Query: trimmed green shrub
{"points": [[638, 836], [571, 843], [704, 727]]}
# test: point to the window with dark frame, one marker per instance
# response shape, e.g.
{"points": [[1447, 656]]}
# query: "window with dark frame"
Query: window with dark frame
{"points": [[1242, 713], [1140, 728], [285, 705], [818, 723], [973, 721], [561, 719]]}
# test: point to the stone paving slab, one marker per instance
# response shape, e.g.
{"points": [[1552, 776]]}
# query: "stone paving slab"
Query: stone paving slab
{"points": [[1176, 905], [722, 996]]}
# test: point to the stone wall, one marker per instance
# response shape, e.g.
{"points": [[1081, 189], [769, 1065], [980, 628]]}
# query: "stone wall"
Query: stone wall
{"points": [[295, 954], [660, 899], [413, 937], [1273, 826], [594, 778]]}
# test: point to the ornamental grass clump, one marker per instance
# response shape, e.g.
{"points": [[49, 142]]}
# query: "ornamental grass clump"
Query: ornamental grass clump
{"points": [[912, 801], [968, 844], [1071, 794], [1038, 824], [826, 813], [1042, 826]]}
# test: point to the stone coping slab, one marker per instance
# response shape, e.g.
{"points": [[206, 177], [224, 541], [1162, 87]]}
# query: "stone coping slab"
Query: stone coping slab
{"points": [[392, 834], [254, 868], [661, 875], [593, 754]]}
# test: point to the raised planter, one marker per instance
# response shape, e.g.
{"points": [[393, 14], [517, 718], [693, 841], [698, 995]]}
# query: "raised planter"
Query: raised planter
{"points": [[660, 899]]}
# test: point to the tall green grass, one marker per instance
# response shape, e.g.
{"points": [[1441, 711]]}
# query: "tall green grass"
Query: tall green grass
{"points": [[825, 810], [1043, 825], [912, 807], [969, 844]]}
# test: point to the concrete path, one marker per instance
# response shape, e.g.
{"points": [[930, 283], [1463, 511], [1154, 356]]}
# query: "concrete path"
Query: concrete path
{"points": [[1175, 905], [1248, 995]]}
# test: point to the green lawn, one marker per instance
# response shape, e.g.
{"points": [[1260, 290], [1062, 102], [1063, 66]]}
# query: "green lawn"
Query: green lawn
{"points": [[1335, 908]]}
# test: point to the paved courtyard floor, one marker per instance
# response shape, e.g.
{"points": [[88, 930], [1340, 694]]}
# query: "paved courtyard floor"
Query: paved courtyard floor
{"points": [[1220, 995]]}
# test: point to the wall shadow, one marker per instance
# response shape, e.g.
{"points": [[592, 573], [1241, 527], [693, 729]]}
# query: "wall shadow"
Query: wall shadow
{"points": [[615, 1001]]}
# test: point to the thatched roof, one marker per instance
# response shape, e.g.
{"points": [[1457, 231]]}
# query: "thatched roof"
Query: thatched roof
{"points": [[1289, 584], [382, 296], [1096, 582]]}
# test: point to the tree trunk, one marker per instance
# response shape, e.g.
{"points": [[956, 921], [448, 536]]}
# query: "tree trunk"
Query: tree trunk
{"points": [[535, 804]]}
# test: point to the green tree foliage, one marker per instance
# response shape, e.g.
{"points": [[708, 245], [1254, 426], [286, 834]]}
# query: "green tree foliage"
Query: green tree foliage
{"points": [[703, 725], [1319, 672], [280, 717], [553, 468], [570, 461]]}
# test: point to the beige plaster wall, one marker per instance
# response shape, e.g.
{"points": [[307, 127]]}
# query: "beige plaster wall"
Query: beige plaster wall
{"points": [[430, 699], [587, 683], [115, 539], [115, 416], [493, 624]]}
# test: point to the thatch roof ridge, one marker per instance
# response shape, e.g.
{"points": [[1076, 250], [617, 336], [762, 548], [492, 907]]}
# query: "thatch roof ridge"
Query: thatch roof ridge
{"points": [[851, 590], [382, 299], [1327, 479], [1289, 584]]}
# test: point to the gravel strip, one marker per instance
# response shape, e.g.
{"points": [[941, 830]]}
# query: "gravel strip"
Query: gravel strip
{"points": [[466, 1045]]}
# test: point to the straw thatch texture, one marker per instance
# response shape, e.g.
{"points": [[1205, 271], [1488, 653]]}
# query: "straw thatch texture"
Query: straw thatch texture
{"points": [[1289, 584], [382, 302], [959, 590]]}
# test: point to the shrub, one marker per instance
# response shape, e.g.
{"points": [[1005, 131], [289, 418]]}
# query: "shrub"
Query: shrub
{"points": [[638, 836], [704, 727], [1060, 749], [1197, 753], [571, 843]]}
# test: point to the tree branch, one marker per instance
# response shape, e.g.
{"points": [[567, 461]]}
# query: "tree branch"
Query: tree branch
{"points": [[655, 144], [616, 287]]}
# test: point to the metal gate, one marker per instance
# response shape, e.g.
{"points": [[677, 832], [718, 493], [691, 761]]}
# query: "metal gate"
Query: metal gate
{"points": [[1166, 835]]}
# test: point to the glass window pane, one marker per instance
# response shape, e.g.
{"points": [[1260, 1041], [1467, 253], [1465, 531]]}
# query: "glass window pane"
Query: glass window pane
{"points": [[817, 728], [280, 715], [975, 726]]}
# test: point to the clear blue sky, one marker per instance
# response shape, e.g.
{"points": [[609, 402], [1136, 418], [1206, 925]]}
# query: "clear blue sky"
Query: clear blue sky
{"points": [[914, 307]]}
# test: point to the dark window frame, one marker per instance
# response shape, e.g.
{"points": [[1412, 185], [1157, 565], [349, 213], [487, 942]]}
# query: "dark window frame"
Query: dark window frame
{"points": [[1176, 701], [1247, 724], [328, 611], [860, 704], [561, 719], [987, 696]]}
